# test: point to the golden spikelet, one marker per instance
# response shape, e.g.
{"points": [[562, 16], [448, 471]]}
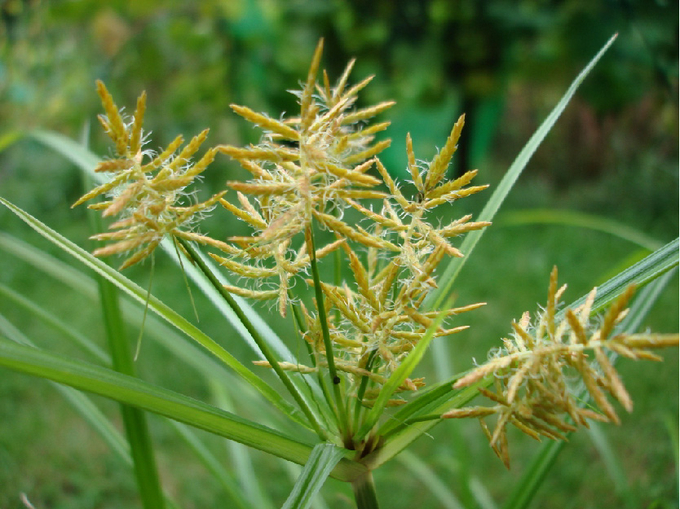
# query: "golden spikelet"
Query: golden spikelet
{"points": [[439, 165], [266, 122], [323, 169], [136, 134], [113, 122]]}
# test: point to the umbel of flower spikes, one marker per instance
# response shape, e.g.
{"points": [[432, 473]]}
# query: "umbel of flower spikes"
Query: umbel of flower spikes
{"points": [[314, 169], [147, 191], [303, 168], [539, 370]]}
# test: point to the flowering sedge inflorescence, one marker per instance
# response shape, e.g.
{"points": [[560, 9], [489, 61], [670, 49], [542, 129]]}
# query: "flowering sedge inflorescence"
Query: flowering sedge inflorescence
{"points": [[316, 171], [538, 370], [313, 169], [308, 170], [148, 196]]}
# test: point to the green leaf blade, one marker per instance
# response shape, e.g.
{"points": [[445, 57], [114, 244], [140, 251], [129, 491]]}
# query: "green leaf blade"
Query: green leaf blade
{"points": [[162, 310], [434, 300], [167, 403], [321, 463], [579, 220]]}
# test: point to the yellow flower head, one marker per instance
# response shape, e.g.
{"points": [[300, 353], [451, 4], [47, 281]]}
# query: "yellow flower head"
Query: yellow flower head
{"points": [[535, 370], [149, 198], [311, 169]]}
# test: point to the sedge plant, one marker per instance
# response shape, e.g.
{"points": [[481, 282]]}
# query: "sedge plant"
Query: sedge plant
{"points": [[318, 194]]}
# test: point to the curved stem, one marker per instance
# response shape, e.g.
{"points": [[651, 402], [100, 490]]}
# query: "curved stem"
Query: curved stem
{"points": [[312, 355]]}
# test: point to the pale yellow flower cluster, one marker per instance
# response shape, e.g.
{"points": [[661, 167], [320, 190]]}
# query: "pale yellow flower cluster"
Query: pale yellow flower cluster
{"points": [[537, 370], [314, 169], [321, 171], [149, 198]]}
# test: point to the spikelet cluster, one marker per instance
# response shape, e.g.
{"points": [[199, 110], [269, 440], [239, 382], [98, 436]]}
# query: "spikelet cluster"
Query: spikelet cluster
{"points": [[543, 365], [304, 167], [148, 197], [314, 169]]}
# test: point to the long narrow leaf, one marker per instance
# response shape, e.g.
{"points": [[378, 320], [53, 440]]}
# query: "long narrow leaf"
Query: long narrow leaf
{"points": [[646, 270], [190, 353], [49, 319], [78, 400], [96, 418], [440, 351], [72, 150], [430, 480], [161, 310], [609, 458], [165, 402], [321, 463], [85, 408], [533, 476], [213, 464], [645, 300], [48, 264], [293, 472], [447, 279], [579, 220], [168, 336], [242, 463]]}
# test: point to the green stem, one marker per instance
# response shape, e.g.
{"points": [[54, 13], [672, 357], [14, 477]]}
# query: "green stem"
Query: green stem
{"points": [[364, 491], [322, 381], [323, 319], [362, 390], [261, 343], [134, 419], [300, 324]]}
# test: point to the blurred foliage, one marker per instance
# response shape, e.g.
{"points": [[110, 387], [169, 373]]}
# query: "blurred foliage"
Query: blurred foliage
{"points": [[502, 63], [436, 57]]}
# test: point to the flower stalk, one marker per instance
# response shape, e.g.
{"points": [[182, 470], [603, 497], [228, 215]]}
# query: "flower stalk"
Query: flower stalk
{"points": [[365, 495], [328, 346]]}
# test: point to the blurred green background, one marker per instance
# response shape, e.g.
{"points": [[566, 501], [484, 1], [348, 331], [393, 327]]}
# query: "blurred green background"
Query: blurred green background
{"points": [[614, 153]]}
